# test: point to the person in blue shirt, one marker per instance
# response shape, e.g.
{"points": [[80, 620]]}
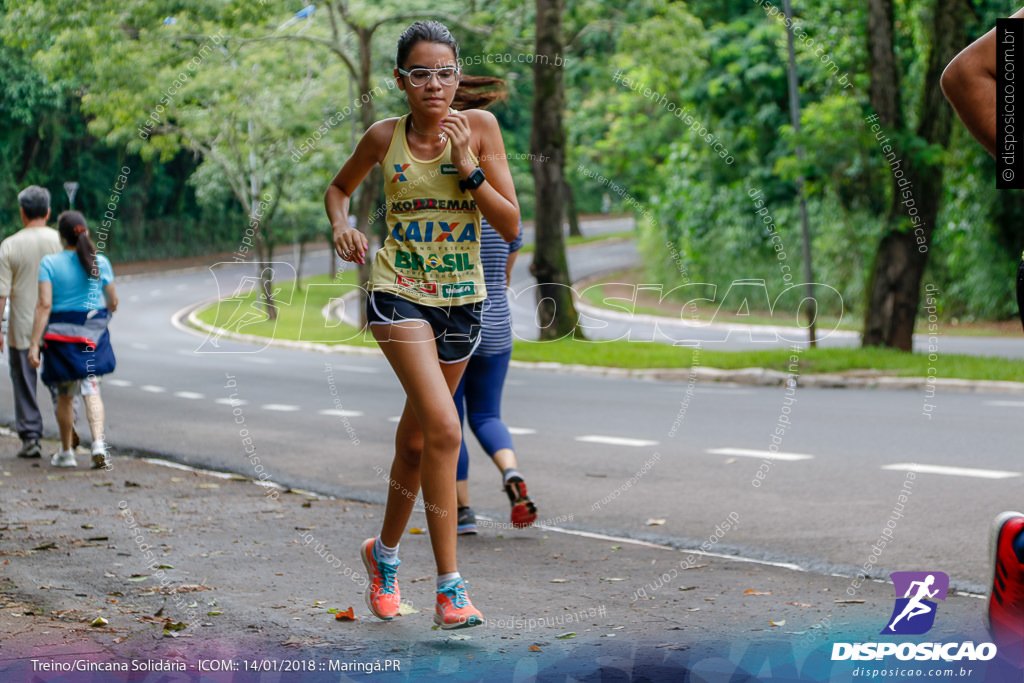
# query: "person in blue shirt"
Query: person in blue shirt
{"points": [[75, 285], [479, 392]]}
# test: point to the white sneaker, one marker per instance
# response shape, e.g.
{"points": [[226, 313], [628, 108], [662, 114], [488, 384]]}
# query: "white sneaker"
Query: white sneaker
{"points": [[64, 459], [100, 456]]}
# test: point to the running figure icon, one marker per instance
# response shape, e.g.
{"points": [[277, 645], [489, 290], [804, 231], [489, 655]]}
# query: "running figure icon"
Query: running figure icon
{"points": [[916, 593], [915, 607]]}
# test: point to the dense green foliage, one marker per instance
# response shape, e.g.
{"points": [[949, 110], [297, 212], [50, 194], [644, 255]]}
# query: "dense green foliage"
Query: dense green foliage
{"points": [[676, 111]]}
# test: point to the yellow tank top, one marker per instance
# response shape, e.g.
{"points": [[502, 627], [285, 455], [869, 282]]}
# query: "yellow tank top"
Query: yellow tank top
{"points": [[431, 255]]}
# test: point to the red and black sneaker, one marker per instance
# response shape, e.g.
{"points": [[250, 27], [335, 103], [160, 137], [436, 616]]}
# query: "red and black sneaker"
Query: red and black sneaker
{"points": [[524, 512], [1005, 612]]}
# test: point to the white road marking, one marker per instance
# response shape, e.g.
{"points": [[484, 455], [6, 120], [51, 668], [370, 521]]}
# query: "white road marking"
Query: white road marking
{"points": [[341, 413], [616, 440], [1006, 404], [952, 471], [281, 407], [717, 390], [521, 430], [751, 453], [189, 395], [152, 388], [232, 402], [117, 382], [356, 368]]}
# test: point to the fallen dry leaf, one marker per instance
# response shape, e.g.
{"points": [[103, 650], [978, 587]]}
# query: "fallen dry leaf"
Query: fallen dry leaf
{"points": [[696, 566], [751, 591], [655, 522], [347, 615], [849, 602], [415, 530], [559, 581], [800, 604], [780, 622], [534, 648]]}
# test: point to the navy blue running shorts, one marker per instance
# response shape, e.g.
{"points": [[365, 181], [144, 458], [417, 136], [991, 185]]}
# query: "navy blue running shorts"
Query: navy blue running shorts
{"points": [[456, 328]]}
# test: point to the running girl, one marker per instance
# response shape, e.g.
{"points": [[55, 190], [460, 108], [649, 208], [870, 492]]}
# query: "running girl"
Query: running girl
{"points": [[442, 170]]}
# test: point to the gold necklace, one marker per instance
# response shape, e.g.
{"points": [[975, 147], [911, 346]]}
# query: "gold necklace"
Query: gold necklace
{"points": [[440, 136]]}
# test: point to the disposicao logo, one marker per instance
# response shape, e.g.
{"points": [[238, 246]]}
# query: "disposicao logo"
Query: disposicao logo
{"points": [[914, 614]]}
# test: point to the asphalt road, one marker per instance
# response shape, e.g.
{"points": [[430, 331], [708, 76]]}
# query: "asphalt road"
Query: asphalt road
{"points": [[600, 454]]}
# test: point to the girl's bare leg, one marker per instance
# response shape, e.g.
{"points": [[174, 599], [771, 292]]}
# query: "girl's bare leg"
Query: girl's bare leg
{"points": [[429, 456]]}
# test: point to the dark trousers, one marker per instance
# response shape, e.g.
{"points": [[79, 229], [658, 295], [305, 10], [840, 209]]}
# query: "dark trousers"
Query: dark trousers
{"points": [[27, 419], [479, 397]]}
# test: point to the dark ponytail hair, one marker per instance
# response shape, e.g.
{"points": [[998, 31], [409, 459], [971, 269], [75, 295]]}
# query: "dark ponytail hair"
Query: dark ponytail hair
{"points": [[474, 92], [430, 31], [75, 233]]}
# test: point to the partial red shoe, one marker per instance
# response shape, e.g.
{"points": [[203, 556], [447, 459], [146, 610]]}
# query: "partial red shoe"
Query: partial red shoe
{"points": [[524, 512], [454, 610], [382, 595], [1005, 612]]}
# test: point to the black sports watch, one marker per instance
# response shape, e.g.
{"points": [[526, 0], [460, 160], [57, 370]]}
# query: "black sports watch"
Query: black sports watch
{"points": [[475, 180]]}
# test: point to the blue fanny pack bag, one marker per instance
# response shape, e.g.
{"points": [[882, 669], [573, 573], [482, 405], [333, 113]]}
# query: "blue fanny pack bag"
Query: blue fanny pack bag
{"points": [[77, 345]]}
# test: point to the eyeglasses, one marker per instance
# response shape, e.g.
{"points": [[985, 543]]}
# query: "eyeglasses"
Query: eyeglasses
{"points": [[447, 75]]}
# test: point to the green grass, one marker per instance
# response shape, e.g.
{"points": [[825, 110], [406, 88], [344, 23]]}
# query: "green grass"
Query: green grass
{"points": [[596, 294], [576, 241], [625, 354], [299, 318]]}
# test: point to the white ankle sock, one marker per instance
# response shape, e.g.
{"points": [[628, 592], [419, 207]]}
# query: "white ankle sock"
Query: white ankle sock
{"points": [[445, 578], [384, 553]]}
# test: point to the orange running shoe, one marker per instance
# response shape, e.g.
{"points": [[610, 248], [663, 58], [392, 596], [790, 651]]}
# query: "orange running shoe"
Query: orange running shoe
{"points": [[382, 596], [454, 610], [524, 512]]}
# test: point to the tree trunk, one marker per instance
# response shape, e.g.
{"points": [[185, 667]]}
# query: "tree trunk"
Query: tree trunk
{"points": [[334, 255], [298, 266], [556, 311], [370, 188], [571, 212], [265, 269], [894, 290], [884, 87]]}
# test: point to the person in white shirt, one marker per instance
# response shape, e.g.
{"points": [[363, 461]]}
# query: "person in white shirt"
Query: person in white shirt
{"points": [[20, 255]]}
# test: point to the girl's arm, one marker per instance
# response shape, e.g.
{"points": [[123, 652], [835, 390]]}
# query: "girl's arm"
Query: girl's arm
{"points": [[496, 198], [351, 244], [43, 306], [969, 83], [111, 294], [508, 267]]}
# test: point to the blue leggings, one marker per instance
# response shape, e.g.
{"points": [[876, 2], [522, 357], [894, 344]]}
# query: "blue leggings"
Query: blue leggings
{"points": [[479, 394]]}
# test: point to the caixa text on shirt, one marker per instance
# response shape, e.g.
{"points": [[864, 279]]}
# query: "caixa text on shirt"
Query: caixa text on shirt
{"points": [[432, 231]]}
